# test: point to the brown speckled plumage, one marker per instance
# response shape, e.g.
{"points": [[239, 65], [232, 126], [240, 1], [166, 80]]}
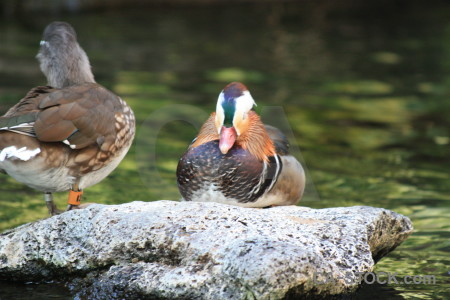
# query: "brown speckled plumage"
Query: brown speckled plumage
{"points": [[70, 134]]}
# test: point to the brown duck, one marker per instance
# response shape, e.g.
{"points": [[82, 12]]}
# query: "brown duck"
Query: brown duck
{"points": [[236, 159], [70, 134]]}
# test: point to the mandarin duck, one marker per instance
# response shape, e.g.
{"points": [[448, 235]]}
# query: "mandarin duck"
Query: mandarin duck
{"points": [[70, 134], [236, 159]]}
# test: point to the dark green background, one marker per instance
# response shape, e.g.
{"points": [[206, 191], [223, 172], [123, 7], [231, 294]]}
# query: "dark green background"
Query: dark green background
{"points": [[361, 88]]}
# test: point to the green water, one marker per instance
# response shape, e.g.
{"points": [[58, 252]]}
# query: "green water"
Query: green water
{"points": [[363, 91]]}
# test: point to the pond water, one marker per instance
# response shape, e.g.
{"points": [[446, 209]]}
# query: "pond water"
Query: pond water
{"points": [[361, 89]]}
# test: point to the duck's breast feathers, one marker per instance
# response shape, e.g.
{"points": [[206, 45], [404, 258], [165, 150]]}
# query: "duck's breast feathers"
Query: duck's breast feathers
{"points": [[80, 115], [237, 175]]}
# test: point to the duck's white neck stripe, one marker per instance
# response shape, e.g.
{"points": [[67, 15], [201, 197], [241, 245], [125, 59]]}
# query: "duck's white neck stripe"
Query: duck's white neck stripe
{"points": [[22, 153]]}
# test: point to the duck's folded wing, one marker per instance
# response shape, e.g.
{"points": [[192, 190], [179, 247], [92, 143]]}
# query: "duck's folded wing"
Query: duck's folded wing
{"points": [[23, 124], [21, 117], [29, 103], [79, 115], [279, 140]]}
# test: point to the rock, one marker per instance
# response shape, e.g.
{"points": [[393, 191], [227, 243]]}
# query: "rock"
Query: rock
{"points": [[188, 250]]}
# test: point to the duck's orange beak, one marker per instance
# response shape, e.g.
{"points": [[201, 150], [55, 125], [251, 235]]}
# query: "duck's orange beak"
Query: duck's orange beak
{"points": [[227, 139]]}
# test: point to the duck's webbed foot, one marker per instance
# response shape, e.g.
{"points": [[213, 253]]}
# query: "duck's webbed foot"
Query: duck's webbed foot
{"points": [[81, 206]]}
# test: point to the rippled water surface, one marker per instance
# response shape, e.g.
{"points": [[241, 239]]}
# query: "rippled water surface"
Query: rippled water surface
{"points": [[362, 90]]}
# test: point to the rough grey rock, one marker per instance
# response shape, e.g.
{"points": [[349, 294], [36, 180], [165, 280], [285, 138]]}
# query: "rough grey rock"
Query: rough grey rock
{"points": [[188, 250]]}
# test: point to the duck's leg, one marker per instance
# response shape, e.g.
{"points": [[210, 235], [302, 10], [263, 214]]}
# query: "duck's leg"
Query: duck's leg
{"points": [[52, 210]]}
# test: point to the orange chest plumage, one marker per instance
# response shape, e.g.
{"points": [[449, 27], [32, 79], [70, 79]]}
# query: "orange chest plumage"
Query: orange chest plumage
{"points": [[254, 139]]}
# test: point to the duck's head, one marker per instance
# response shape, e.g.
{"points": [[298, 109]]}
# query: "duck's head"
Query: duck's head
{"points": [[61, 58], [231, 121]]}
